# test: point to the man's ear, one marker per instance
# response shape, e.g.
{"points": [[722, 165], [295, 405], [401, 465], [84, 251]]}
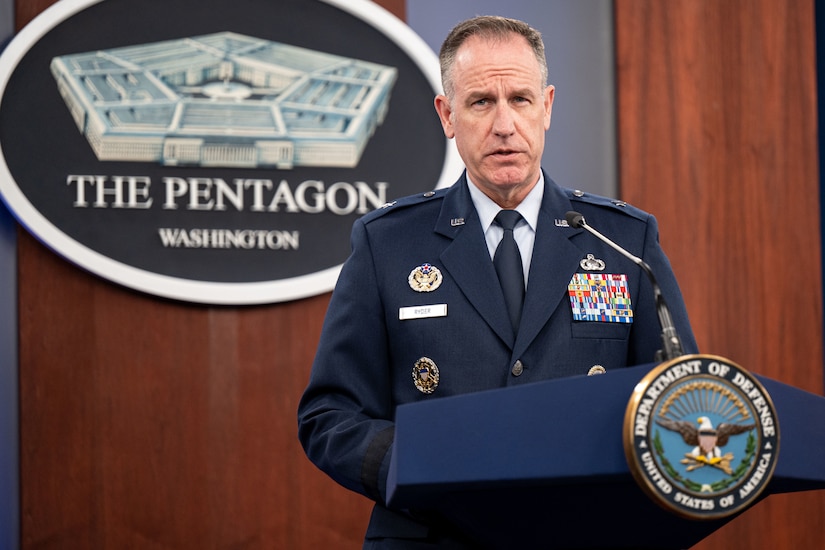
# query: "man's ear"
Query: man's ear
{"points": [[442, 107], [549, 94]]}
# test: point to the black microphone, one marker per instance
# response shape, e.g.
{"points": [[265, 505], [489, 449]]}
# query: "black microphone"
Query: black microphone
{"points": [[671, 344]]}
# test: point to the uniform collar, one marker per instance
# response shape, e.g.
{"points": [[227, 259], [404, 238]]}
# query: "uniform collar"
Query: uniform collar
{"points": [[528, 208]]}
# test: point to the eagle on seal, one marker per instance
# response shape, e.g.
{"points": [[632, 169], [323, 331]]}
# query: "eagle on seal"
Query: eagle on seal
{"points": [[704, 438]]}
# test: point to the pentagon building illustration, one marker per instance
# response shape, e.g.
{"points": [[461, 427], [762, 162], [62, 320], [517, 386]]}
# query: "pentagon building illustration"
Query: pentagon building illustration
{"points": [[224, 99]]}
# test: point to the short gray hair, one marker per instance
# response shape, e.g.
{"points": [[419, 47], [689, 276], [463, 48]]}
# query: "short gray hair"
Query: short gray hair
{"points": [[487, 27]]}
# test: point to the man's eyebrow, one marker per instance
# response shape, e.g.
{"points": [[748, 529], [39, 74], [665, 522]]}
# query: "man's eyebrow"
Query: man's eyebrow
{"points": [[524, 92]]}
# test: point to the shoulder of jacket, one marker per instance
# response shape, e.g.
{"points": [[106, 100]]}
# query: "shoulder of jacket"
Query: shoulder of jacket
{"points": [[403, 204], [607, 203]]}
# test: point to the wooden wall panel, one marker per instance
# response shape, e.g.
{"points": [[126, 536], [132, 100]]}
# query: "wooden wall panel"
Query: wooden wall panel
{"points": [[154, 424], [718, 137]]}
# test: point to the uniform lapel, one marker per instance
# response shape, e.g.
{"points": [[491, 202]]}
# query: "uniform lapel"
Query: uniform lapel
{"points": [[467, 259], [554, 261]]}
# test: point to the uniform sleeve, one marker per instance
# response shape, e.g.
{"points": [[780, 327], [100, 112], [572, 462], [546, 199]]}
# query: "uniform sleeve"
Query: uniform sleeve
{"points": [[345, 416], [648, 322]]}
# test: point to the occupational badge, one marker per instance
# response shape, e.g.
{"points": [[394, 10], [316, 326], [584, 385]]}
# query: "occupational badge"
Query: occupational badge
{"points": [[592, 263], [701, 436], [425, 375], [425, 278]]}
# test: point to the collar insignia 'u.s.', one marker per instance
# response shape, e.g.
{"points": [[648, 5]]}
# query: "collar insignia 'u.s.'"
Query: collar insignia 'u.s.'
{"points": [[425, 375], [425, 278], [701, 436]]}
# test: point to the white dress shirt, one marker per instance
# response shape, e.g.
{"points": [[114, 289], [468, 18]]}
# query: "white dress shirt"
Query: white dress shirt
{"points": [[524, 232]]}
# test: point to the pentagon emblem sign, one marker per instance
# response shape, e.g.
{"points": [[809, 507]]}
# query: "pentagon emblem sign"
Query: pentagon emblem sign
{"points": [[215, 151], [701, 436]]}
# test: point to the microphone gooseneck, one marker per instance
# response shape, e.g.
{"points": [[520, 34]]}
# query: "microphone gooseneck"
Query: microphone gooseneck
{"points": [[671, 343]]}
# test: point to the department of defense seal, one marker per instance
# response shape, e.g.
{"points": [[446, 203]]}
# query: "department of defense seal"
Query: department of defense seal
{"points": [[425, 278], [425, 375], [701, 436]]}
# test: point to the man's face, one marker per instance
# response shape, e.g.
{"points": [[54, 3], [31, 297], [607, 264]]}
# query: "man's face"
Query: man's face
{"points": [[498, 115]]}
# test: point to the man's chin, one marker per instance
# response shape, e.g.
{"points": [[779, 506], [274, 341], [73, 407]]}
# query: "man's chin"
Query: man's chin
{"points": [[510, 178]]}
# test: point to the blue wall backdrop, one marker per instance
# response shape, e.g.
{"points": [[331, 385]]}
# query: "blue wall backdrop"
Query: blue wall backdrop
{"points": [[9, 490], [9, 486]]}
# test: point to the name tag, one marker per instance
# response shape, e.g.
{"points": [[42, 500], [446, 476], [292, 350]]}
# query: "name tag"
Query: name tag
{"points": [[422, 312]]}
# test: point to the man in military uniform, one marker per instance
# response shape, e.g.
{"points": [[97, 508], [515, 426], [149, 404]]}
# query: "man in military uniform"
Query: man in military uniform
{"points": [[423, 307]]}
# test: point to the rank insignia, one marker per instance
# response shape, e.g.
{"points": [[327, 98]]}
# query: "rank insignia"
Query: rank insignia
{"points": [[425, 375], [600, 297], [592, 263], [425, 278]]}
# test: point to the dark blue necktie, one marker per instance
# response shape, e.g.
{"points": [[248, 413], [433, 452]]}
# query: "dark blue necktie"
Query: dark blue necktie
{"points": [[507, 261]]}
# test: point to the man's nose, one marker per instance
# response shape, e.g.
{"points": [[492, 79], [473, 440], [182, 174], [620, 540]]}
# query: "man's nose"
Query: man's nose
{"points": [[504, 122]]}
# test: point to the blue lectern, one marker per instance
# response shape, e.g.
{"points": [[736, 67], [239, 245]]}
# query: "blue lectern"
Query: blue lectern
{"points": [[543, 465]]}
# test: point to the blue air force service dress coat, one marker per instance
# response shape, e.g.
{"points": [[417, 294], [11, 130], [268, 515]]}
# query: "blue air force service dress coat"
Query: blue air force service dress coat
{"points": [[385, 315]]}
